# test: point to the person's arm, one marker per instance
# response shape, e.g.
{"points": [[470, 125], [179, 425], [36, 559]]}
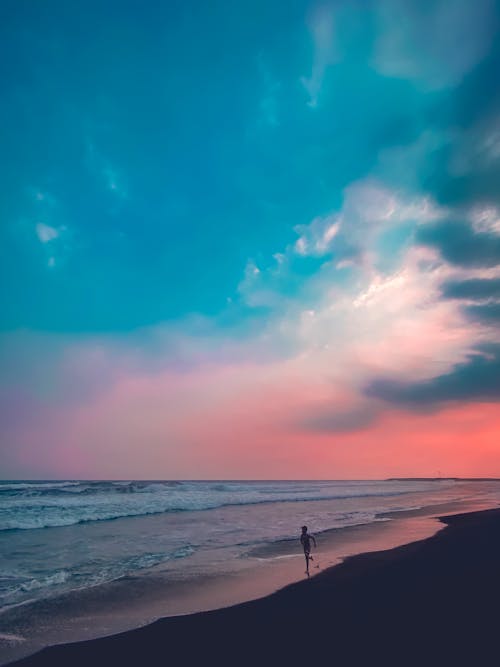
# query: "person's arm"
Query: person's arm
{"points": [[314, 541]]}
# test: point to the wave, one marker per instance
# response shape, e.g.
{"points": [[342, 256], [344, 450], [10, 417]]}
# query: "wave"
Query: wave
{"points": [[20, 487], [55, 504], [14, 590], [49, 488]]}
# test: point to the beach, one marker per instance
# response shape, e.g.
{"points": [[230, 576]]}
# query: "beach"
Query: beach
{"points": [[85, 560], [433, 601]]}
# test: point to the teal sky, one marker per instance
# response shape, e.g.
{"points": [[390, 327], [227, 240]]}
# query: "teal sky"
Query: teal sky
{"points": [[169, 146], [209, 172]]}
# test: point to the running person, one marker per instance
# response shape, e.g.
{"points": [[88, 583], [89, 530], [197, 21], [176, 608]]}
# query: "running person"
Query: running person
{"points": [[305, 540]]}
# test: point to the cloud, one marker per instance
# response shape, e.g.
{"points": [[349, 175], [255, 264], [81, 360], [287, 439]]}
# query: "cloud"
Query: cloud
{"points": [[478, 379], [467, 172], [486, 313], [45, 232], [435, 43], [369, 210], [486, 220], [459, 244], [474, 288], [322, 29], [467, 276], [457, 158], [56, 242], [56, 239], [254, 288], [316, 238]]}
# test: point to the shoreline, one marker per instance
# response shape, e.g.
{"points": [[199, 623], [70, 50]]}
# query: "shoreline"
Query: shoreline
{"points": [[429, 602], [134, 602], [410, 527]]}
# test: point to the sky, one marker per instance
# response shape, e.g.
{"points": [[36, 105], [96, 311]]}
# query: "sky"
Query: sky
{"points": [[251, 240]]}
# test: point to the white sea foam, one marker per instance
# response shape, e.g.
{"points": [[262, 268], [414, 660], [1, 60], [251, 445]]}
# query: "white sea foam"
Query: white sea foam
{"points": [[58, 577], [28, 505], [83, 575], [11, 638]]}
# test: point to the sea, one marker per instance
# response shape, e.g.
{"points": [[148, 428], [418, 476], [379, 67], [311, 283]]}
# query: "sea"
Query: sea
{"points": [[80, 540]]}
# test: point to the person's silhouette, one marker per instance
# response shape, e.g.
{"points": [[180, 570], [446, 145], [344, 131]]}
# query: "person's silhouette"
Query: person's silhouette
{"points": [[305, 540]]}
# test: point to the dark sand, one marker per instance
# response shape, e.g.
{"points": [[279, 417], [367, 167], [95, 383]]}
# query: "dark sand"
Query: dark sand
{"points": [[433, 602]]}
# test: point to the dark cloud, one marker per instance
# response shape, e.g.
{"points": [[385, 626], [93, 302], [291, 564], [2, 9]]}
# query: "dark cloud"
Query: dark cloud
{"points": [[477, 290], [466, 170], [478, 186], [476, 380], [472, 289], [479, 94], [487, 313], [459, 244]]}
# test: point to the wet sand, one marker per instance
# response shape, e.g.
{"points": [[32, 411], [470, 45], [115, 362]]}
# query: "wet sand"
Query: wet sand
{"points": [[433, 602]]}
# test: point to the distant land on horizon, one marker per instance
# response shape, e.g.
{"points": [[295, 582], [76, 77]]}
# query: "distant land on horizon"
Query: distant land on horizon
{"points": [[433, 479], [387, 479]]}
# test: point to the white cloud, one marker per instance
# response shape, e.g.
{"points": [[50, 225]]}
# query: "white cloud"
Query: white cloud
{"points": [[56, 242], [368, 209], [346, 239], [46, 233], [433, 44], [378, 324], [321, 27], [370, 203], [486, 219], [317, 237], [252, 288]]}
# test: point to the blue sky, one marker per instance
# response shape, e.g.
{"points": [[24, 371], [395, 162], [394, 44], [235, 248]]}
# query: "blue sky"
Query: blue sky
{"points": [[213, 172], [175, 143]]}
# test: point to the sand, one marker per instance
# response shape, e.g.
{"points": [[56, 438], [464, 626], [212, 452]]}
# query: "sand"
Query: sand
{"points": [[431, 602]]}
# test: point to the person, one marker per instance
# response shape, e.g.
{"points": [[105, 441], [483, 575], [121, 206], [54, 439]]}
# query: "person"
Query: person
{"points": [[305, 540]]}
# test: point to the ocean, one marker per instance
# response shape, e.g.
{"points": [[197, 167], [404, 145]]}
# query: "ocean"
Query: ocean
{"points": [[59, 540]]}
